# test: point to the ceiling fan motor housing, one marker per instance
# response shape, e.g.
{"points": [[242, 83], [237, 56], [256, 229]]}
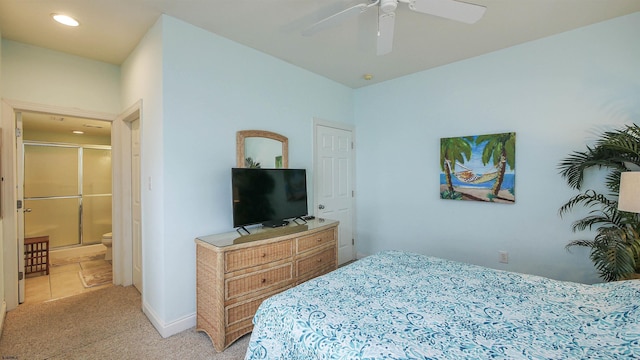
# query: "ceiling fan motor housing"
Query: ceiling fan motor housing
{"points": [[388, 6], [449, 9]]}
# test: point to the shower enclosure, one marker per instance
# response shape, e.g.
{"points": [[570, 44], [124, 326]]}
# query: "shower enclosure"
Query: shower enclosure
{"points": [[67, 192]]}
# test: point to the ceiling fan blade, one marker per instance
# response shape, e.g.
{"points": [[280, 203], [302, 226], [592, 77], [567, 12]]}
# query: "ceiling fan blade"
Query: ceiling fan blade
{"points": [[336, 19], [386, 25], [449, 9]]}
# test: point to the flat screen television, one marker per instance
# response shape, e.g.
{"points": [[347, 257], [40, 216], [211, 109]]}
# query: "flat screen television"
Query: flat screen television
{"points": [[268, 196]]}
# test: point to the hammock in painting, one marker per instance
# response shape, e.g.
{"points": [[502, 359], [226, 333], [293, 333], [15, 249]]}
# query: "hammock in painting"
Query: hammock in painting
{"points": [[468, 176]]}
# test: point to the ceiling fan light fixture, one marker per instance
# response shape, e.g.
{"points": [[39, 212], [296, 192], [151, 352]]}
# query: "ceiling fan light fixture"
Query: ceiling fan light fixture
{"points": [[388, 6], [65, 20], [449, 9], [386, 24]]}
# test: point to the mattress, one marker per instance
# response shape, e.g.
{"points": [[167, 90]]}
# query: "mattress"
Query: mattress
{"points": [[401, 305]]}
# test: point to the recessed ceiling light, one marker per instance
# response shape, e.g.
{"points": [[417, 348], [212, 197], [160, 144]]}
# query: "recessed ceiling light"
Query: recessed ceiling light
{"points": [[65, 19], [367, 77], [78, 132]]}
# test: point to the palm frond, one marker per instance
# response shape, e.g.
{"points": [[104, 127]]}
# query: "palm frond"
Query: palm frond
{"points": [[615, 249], [611, 257], [573, 167], [613, 182], [591, 222], [588, 199], [583, 243]]}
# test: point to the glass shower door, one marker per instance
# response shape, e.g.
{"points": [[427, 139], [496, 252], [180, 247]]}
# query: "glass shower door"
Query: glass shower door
{"points": [[52, 193], [96, 194]]}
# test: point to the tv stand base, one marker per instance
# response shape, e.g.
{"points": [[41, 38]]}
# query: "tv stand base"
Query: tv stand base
{"points": [[275, 224]]}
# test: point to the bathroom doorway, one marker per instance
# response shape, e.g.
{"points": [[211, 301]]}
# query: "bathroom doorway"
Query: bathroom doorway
{"points": [[67, 191]]}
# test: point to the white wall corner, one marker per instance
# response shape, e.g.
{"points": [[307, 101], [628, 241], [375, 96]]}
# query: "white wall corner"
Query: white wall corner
{"points": [[172, 328]]}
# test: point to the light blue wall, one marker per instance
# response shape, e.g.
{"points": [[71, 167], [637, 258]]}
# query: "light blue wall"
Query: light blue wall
{"points": [[142, 79], [46, 77], [555, 93], [211, 87]]}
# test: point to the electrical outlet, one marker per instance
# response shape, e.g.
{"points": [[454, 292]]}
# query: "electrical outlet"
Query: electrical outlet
{"points": [[504, 257]]}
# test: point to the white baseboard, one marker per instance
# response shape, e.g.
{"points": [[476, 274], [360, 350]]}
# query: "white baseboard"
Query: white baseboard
{"points": [[3, 313], [171, 328]]}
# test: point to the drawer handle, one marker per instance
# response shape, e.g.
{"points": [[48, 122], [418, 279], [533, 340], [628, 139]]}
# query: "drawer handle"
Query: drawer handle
{"points": [[319, 260], [264, 254], [319, 239], [264, 281]]}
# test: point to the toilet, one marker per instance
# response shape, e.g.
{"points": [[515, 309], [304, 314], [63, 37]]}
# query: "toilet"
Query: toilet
{"points": [[106, 241]]}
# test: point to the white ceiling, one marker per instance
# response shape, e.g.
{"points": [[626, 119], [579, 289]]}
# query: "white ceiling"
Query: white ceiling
{"points": [[110, 29], [64, 124]]}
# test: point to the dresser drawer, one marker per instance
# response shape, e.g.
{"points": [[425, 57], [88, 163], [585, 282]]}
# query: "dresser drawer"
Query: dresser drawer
{"points": [[318, 239], [244, 311], [258, 255], [259, 281], [312, 263]]}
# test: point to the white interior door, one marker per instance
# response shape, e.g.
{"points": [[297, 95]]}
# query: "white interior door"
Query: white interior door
{"points": [[333, 182], [10, 253], [136, 223], [21, 207]]}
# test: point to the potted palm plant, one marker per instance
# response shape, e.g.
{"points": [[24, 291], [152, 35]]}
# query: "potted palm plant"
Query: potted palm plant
{"points": [[615, 249]]}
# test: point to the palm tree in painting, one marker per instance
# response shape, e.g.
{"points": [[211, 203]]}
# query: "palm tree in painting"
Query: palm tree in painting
{"points": [[501, 151], [452, 150]]}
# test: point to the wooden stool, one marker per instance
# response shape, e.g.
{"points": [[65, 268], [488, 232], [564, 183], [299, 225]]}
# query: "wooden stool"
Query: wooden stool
{"points": [[36, 255]]}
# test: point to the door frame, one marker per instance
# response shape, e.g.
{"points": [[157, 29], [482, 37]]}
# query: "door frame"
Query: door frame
{"points": [[20, 196], [346, 127], [9, 174], [122, 185]]}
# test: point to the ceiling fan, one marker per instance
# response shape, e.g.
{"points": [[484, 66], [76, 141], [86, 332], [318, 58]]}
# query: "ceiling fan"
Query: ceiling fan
{"points": [[449, 9]]}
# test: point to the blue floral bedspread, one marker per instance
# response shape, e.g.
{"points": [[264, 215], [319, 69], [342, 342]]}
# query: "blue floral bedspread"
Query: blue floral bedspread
{"points": [[398, 305]]}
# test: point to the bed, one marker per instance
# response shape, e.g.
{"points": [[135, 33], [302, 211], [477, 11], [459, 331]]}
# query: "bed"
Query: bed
{"points": [[400, 305]]}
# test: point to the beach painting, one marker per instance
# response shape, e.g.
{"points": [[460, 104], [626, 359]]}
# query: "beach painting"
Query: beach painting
{"points": [[478, 168]]}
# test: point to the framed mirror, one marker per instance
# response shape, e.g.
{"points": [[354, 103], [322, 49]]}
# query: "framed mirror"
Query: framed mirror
{"points": [[263, 149]]}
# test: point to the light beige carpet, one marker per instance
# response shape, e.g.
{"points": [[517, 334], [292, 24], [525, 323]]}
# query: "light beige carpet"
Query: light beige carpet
{"points": [[101, 324]]}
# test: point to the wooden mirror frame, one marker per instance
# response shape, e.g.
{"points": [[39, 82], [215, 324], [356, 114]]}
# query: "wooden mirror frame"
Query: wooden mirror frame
{"points": [[242, 135]]}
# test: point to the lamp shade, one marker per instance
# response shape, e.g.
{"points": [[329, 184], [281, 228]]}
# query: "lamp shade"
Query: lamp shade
{"points": [[629, 195]]}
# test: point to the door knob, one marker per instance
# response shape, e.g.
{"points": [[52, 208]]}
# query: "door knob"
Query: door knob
{"points": [[27, 210], [320, 206]]}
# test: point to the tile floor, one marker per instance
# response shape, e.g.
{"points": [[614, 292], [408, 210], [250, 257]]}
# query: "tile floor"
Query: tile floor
{"points": [[62, 281]]}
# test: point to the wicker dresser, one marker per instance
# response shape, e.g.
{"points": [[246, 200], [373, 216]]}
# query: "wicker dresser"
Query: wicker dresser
{"points": [[236, 273]]}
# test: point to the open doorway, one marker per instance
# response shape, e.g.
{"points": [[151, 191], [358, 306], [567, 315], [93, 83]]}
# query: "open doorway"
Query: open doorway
{"points": [[127, 234], [65, 171]]}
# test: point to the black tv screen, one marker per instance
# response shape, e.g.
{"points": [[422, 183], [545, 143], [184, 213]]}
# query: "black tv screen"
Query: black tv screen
{"points": [[268, 196]]}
